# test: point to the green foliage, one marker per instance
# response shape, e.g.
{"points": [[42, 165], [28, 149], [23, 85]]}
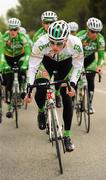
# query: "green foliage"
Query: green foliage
{"points": [[97, 9], [29, 11], [3, 26]]}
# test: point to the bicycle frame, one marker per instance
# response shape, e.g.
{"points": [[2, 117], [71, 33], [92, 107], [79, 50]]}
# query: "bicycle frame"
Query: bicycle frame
{"points": [[51, 102], [54, 127]]}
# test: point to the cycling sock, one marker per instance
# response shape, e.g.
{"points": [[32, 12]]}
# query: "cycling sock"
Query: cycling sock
{"points": [[67, 133], [57, 92], [41, 109]]}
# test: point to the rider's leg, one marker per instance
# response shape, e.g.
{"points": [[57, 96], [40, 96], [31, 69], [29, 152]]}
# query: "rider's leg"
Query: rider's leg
{"points": [[67, 117], [91, 87], [40, 97], [8, 82]]}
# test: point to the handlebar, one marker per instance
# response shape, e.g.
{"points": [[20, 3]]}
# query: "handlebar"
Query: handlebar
{"points": [[15, 68], [48, 84], [99, 74]]}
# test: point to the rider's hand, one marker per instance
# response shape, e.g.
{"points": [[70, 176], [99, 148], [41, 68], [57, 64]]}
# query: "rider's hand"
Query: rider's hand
{"points": [[28, 99], [99, 69], [71, 92]]}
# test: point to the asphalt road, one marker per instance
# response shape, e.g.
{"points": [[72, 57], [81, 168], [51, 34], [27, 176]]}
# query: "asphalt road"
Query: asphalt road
{"points": [[26, 154]]}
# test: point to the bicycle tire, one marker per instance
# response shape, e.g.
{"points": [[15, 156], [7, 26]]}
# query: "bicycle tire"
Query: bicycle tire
{"points": [[56, 140], [16, 107], [86, 110]]}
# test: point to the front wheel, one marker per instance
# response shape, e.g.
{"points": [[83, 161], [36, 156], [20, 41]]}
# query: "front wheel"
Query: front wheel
{"points": [[56, 140], [86, 110], [15, 106], [79, 105]]}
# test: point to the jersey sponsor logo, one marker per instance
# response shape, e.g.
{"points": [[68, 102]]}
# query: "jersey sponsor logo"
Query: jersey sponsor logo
{"points": [[41, 47], [77, 47], [14, 45]]}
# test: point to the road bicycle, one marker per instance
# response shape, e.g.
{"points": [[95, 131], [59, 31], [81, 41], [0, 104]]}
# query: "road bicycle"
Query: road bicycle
{"points": [[16, 98], [82, 101], [54, 127]]}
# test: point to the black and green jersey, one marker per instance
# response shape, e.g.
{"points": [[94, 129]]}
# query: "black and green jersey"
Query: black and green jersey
{"points": [[16, 46], [1, 44], [38, 34], [92, 46]]}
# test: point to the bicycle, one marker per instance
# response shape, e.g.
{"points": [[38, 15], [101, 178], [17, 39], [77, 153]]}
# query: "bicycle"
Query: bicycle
{"points": [[82, 101], [53, 128], [16, 100]]}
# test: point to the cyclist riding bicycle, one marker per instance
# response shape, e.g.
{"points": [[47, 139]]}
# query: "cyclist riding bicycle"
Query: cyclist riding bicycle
{"points": [[73, 28], [56, 51], [16, 49], [92, 42], [47, 18]]}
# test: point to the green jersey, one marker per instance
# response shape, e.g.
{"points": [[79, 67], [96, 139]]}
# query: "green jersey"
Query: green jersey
{"points": [[38, 34], [2, 59], [92, 46], [1, 45], [16, 46]]}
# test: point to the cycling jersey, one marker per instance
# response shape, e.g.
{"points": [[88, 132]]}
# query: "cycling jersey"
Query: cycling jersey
{"points": [[1, 51], [16, 46], [73, 50], [90, 47], [1, 46], [38, 34]]}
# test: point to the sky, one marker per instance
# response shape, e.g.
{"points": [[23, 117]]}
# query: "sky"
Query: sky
{"points": [[5, 5]]}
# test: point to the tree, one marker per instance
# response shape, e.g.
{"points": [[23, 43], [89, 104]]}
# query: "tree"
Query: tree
{"points": [[3, 26], [97, 10]]}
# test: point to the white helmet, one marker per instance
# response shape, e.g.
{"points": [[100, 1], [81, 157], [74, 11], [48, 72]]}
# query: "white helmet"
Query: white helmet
{"points": [[22, 29], [73, 26], [94, 24], [14, 23], [49, 16], [58, 31]]}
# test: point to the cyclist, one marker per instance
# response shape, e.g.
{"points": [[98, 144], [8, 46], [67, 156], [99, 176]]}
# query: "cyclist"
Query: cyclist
{"points": [[92, 42], [73, 28], [64, 53], [47, 18], [16, 49]]}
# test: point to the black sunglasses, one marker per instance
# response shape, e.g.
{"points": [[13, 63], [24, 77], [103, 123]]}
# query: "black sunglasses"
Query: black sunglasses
{"points": [[14, 29], [94, 31], [47, 22], [56, 43]]}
